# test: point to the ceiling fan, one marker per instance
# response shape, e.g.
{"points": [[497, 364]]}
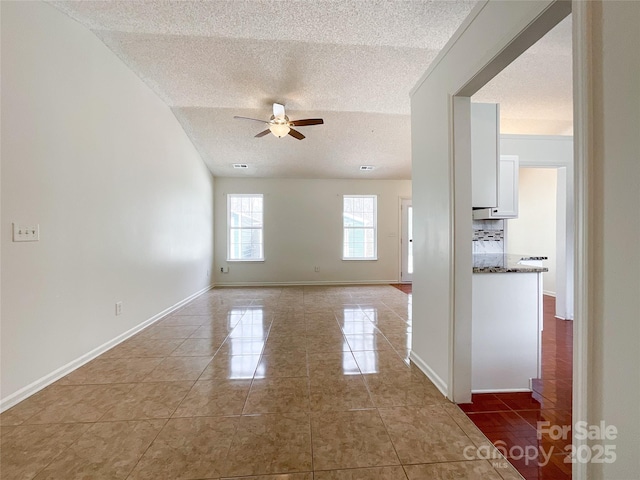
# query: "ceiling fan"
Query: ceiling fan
{"points": [[280, 125]]}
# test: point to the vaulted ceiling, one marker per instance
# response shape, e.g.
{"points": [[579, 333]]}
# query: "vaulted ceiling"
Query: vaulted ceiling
{"points": [[351, 62]]}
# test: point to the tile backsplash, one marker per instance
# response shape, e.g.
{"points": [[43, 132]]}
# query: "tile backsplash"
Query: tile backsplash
{"points": [[488, 236]]}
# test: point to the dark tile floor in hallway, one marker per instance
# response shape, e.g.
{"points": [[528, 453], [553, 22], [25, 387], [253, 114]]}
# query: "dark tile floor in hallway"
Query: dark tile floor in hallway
{"points": [[510, 420], [295, 383]]}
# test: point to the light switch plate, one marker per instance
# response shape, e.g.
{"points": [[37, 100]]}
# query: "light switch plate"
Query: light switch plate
{"points": [[26, 233]]}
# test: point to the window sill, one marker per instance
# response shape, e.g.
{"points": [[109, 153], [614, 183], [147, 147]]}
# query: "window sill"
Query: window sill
{"points": [[245, 261], [360, 259]]}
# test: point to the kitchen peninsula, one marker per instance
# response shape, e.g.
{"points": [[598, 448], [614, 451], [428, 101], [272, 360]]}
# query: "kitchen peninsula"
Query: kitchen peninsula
{"points": [[506, 322]]}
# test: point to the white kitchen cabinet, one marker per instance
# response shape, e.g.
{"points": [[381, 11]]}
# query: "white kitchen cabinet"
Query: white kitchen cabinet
{"points": [[508, 178], [485, 141], [507, 322]]}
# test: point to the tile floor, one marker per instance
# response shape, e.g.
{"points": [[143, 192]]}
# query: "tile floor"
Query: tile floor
{"points": [[294, 383], [511, 419]]}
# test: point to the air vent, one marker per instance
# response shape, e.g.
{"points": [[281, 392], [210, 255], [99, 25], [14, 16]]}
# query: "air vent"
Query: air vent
{"points": [[366, 167], [240, 165]]}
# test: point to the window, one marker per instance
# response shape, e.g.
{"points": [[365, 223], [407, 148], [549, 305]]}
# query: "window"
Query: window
{"points": [[359, 219], [244, 223]]}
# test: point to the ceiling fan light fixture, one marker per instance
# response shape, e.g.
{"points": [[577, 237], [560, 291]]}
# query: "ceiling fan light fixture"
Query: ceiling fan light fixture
{"points": [[280, 125], [279, 129]]}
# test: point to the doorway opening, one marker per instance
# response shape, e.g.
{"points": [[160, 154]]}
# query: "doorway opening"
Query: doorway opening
{"points": [[535, 234], [406, 241]]}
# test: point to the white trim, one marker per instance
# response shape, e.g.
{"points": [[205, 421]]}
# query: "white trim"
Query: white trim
{"points": [[247, 260], [360, 259], [516, 136], [583, 26], [460, 235], [431, 375], [230, 196], [503, 390], [401, 200], [374, 257], [57, 374], [550, 294], [537, 164], [303, 283], [449, 45]]}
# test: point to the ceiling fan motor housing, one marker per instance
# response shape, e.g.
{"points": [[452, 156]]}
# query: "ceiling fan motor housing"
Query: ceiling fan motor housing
{"points": [[279, 126]]}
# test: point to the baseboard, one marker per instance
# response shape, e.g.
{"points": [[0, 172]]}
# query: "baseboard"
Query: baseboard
{"points": [[502, 390], [305, 283], [57, 374], [431, 375]]}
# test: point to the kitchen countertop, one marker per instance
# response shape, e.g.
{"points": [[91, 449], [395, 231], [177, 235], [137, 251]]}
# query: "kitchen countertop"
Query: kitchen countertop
{"points": [[506, 263]]}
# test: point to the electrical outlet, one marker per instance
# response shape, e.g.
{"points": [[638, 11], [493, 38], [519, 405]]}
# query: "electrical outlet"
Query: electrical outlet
{"points": [[26, 233], [118, 308], [224, 269], [316, 269]]}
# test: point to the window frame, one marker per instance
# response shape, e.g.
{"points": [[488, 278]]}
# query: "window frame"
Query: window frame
{"points": [[374, 228], [230, 196]]}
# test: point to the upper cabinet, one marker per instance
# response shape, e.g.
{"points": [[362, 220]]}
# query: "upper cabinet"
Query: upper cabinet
{"points": [[508, 179], [494, 178], [485, 140]]}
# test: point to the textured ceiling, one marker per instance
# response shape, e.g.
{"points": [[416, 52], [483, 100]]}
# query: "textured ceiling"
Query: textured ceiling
{"points": [[535, 91], [351, 62]]}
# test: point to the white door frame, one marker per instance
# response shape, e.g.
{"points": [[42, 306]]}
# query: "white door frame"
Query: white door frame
{"points": [[460, 328], [405, 240], [583, 153]]}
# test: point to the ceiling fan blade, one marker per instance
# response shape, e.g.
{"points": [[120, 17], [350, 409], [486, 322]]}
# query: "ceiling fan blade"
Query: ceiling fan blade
{"points": [[296, 134], [262, 134], [247, 118], [306, 122], [278, 110]]}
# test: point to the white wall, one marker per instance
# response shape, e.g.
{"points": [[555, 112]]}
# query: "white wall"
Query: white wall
{"points": [[554, 151], [303, 229], [534, 231], [539, 150], [613, 256], [123, 200]]}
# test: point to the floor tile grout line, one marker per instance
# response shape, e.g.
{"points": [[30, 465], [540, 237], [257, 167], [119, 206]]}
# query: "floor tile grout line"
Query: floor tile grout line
{"points": [[148, 447], [386, 429], [66, 449], [306, 353]]}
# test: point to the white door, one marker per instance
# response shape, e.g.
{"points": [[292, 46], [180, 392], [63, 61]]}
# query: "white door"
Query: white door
{"points": [[406, 239]]}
